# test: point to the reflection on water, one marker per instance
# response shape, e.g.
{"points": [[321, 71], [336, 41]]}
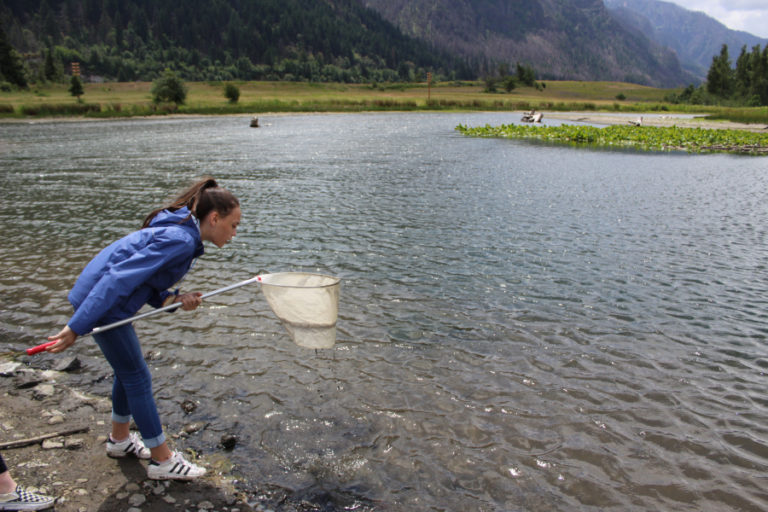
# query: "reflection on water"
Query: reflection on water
{"points": [[521, 327]]}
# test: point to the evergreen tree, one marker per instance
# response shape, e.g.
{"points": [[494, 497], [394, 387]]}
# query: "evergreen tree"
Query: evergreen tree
{"points": [[526, 74], [11, 67], [76, 87], [759, 84], [743, 73], [49, 68], [720, 75]]}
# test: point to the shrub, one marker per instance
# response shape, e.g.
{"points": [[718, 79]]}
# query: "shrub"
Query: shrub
{"points": [[232, 93], [169, 88]]}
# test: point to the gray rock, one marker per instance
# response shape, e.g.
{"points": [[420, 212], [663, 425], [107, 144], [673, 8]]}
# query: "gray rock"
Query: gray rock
{"points": [[43, 391], [74, 444], [56, 420], [50, 444], [7, 368], [69, 364], [194, 427], [137, 500]]}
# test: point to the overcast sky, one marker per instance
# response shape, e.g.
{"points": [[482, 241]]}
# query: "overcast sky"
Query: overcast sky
{"points": [[747, 15]]}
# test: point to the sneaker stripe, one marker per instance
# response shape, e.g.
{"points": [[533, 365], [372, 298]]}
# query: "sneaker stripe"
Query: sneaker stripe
{"points": [[175, 468]]}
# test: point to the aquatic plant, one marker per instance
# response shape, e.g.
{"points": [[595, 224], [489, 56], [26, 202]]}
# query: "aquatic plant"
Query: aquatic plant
{"points": [[650, 138]]}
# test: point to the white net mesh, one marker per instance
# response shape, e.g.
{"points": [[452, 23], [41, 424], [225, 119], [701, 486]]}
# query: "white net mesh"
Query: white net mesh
{"points": [[307, 304]]}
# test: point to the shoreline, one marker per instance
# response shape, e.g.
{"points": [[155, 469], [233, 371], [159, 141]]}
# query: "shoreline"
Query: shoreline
{"points": [[654, 119], [71, 464], [74, 467], [596, 118]]}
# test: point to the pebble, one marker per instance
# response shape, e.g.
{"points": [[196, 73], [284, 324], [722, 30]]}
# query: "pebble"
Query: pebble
{"points": [[188, 406], [194, 427], [50, 444], [137, 500], [157, 489], [56, 420], [8, 368], [205, 505], [43, 391], [74, 444], [169, 499]]}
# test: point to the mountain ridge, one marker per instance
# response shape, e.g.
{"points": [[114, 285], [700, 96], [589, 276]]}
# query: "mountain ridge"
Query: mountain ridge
{"points": [[565, 39], [694, 36]]}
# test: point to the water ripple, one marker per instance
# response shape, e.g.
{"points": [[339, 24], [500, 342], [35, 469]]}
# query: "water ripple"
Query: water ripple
{"points": [[521, 327]]}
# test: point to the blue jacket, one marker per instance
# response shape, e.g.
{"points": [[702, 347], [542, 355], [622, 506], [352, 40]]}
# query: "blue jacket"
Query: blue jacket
{"points": [[136, 270]]}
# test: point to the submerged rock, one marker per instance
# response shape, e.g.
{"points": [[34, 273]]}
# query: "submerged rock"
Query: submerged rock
{"points": [[229, 441]]}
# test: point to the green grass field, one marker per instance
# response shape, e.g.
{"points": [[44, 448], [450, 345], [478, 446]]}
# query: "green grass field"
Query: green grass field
{"points": [[116, 99]]}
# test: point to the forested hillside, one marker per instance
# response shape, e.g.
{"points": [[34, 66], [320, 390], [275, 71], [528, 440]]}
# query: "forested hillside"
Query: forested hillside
{"points": [[561, 39], [319, 40]]}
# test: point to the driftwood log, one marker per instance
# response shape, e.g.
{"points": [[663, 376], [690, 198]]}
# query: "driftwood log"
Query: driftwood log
{"points": [[39, 439]]}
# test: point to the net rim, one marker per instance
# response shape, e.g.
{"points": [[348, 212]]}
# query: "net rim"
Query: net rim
{"points": [[335, 280]]}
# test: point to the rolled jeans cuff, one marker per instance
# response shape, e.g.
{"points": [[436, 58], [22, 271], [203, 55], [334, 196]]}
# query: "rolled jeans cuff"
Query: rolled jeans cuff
{"points": [[119, 418], [154, 442]]}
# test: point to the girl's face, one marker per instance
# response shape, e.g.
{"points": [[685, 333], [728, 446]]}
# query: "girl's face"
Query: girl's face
{"points": [[220, 230]]}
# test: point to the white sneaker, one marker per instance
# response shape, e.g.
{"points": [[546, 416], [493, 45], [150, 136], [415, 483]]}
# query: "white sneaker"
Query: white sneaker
{"points": [[175, 468], [133, 446]]}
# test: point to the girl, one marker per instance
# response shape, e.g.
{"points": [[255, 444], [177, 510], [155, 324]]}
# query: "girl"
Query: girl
{"points": [[133, 271]]}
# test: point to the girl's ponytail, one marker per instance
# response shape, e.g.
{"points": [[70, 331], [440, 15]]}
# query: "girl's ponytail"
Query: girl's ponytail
{"points": [[201, 198]]}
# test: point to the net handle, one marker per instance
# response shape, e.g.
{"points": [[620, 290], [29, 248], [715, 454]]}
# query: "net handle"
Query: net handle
{"points": [[39, 348], [173, 306]]}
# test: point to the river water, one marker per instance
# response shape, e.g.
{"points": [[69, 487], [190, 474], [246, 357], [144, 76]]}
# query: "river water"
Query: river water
{"points": [[521, 326]]}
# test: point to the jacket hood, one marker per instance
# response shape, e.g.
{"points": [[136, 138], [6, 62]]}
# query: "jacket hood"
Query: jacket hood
{"points": [[180, 218]]}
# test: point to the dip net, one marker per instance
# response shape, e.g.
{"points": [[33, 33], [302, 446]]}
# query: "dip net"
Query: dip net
{"points": [[307, 305]]}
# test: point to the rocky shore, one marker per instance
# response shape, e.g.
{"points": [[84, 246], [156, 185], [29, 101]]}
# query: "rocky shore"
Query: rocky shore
{"points": [[53, 440]]}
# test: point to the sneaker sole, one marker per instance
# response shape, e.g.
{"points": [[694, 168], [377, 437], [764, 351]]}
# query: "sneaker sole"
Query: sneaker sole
{"points": [[185, 478], [126, 456]]}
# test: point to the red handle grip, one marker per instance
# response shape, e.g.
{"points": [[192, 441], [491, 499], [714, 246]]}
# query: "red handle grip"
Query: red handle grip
{"points": [[40, 348]]}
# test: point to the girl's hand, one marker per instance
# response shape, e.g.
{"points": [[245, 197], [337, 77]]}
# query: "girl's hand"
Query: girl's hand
{"points": [[190, 301], [65, 338]]}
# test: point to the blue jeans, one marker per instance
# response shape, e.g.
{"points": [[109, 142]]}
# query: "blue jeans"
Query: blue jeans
{"points": [[132, 386]]}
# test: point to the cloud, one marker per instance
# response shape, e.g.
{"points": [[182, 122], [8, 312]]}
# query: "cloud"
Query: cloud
{"points": [[747, 15]]}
